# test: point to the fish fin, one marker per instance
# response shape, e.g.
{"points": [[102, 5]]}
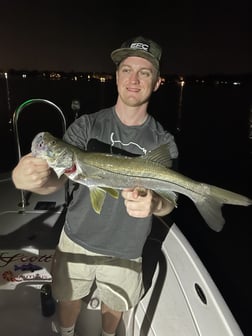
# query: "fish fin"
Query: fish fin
{"points": [[210, 210], [170, 196], [112, 192], [210, 206], [229, 197], [97, 196], [59, 171], [160, 155]]}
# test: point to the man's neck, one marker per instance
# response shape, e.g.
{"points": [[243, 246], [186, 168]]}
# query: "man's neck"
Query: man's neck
{"points": [[131, 116]]}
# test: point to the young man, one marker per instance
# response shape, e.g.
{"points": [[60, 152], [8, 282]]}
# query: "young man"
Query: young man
{"points": [[107, 248]]}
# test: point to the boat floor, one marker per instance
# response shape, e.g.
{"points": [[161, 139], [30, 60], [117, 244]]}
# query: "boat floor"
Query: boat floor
{"points": [[176, 282], [28, 236]]}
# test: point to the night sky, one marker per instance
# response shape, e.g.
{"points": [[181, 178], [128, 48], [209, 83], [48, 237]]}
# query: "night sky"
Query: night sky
{"points": [[197, 37]]}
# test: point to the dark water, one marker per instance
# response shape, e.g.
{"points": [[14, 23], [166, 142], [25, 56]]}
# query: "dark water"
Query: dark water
{"points": [[211, 130]]}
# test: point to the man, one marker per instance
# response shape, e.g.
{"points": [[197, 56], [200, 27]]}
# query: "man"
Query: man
{"points": [[107, 248], [75, 107]]}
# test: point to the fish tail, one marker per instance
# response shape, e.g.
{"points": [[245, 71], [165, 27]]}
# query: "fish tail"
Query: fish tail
{"points": [[210, 210], [210, 206], [229, 197]]}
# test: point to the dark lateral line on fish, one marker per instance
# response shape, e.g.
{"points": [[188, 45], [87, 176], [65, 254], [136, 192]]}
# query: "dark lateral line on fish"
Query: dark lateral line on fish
{"points": [[70, 170]]}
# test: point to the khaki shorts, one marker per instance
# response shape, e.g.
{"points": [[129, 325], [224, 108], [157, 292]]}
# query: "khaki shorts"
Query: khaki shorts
{"points": [[75, 269]]}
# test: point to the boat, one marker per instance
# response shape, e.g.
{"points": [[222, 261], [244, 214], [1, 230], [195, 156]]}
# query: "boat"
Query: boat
{"points": [[181, 298]]}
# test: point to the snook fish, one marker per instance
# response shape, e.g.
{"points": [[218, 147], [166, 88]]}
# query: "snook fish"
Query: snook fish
{"points": [[109, 173]]}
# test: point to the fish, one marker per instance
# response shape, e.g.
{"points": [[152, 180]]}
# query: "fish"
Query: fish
{"points": [[106, 173], [27, 267]]}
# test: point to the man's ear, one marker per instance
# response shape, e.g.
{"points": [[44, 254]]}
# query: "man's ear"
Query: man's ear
{"points": [[157, 84]]}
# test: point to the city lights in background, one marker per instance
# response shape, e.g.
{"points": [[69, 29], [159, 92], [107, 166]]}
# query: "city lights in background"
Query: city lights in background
{"points": [[218, 80]]}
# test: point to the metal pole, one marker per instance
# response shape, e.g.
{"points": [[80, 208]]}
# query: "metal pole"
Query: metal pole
{"points": [[182, 84], [16, 115], [8, 99]]}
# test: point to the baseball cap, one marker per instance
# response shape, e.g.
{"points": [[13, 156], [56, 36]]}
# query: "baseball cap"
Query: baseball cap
{"points": [[141, 47]]}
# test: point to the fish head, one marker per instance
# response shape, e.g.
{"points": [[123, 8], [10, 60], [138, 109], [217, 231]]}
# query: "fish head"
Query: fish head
{"points": [[42, 145], [57, 154]]}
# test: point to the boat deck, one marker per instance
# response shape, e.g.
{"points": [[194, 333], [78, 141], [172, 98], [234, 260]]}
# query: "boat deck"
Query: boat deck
{"points": [[181, 298]]}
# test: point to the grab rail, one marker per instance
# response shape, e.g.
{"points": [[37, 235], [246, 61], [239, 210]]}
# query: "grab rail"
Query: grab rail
{"points": [[16, 115]]}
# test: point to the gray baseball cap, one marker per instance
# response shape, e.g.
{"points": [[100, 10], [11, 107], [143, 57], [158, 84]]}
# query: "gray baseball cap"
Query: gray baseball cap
{"points": [[141, 47]]}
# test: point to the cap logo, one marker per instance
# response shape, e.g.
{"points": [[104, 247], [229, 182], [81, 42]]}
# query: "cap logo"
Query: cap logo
{"points": [[139, 45]]}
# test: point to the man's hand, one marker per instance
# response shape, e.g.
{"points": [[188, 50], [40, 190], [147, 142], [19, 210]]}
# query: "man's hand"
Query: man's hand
{"points": [[141, 202], [35, 175], [30, 173]]}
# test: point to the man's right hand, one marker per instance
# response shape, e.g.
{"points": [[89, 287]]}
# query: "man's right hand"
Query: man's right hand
{"points": [[31, 173]]}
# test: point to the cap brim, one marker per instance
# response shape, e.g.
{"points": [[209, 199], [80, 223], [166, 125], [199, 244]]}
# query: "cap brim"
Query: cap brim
{"points": [[120, 54]]}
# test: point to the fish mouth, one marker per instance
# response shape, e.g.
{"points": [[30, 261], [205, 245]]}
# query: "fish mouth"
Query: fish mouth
{"points": [[38, 144]]}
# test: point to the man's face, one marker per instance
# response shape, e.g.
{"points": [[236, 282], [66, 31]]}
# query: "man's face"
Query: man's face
{"points": [[75, 106], [136, 79]]}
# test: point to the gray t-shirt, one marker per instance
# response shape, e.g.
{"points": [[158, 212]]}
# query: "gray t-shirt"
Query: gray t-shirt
{"points": [[113, 232]]}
